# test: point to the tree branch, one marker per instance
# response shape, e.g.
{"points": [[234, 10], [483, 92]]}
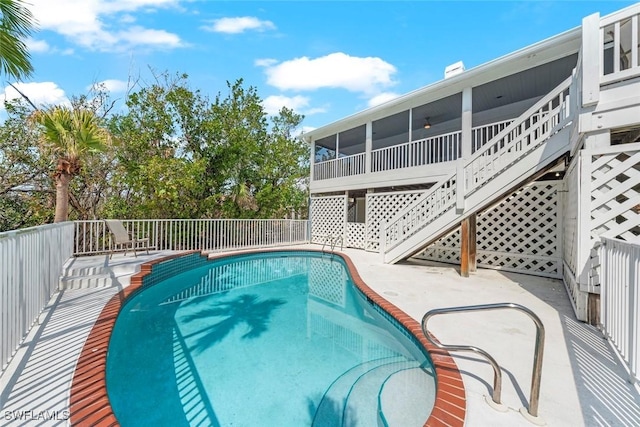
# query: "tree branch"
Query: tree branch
{"points": [[24, 96]]}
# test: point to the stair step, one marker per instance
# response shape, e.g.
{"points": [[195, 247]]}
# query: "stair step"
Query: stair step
{"points": [[407, 397], [84, 282], [331, 407], [362, 402]]}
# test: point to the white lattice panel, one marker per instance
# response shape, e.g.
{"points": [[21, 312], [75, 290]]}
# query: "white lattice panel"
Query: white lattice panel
{"points": [[571, 203], [381, 207], [615, 194], [520, 233], [355, 235], [328, 217], [614, 179]]}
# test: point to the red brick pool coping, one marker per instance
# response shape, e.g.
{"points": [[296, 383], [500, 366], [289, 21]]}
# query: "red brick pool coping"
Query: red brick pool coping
{"points": [[89, 403]]}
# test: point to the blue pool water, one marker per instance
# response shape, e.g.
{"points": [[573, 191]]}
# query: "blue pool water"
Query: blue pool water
{"points": [[272, 339]]}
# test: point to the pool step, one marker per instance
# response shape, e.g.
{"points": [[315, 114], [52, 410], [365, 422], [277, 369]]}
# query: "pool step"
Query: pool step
{"points": [[406, 398], [362, 400], [331, 408], [392, 385], [85, 281], [80, 273]]}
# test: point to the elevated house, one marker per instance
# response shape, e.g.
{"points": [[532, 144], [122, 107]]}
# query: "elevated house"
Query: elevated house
{"points": [[524, 163]]}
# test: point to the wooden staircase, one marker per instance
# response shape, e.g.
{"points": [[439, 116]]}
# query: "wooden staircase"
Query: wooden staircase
{"points": [[528, 146]]}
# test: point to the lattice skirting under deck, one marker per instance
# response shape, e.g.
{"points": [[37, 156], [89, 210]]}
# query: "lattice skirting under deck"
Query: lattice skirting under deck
{"points": [[381, 207], [518, 234]]}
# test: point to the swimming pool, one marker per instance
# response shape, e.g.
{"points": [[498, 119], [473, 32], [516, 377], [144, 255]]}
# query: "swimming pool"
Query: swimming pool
{"points": [[276, 338]]}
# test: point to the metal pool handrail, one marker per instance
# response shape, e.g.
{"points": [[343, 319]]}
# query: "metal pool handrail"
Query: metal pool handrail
{"points": [[497, 378], [332, 240]]}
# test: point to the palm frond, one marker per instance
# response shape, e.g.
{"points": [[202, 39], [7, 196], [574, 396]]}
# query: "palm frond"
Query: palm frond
{"points": [[16, 23]]}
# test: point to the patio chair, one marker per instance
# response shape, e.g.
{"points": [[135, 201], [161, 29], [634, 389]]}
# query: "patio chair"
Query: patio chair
{"points": [[122, 238]]}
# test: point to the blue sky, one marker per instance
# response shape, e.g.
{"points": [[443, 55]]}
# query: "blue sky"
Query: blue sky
{"points": [[324, 59]]}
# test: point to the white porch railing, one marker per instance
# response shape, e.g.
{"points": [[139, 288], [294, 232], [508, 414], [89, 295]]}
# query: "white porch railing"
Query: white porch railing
{"points": [[31, 261], [620, 45], [620, 299], [480, 135], [340, 167], [437, 149], [92, 237]]}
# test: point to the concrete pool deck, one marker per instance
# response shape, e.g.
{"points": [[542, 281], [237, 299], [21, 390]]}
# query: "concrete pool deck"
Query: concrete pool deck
{"points": [[583, 383]]}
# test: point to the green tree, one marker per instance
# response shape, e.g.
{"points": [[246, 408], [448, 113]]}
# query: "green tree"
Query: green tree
{"points": [[159, 176], [264, 165], [25, 191], [16, 23], [180, 155], [69, 135]]}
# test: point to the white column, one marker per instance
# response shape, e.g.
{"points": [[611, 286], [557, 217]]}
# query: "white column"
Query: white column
{"points": [[368, 145], [465, 145], [592, 53], [312, 160]]}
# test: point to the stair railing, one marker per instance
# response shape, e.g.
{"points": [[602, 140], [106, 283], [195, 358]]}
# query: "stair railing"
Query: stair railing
{"points": [[536, 375], [524, 134], [534, 126]]}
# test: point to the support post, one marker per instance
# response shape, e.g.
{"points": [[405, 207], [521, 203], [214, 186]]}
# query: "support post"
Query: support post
{"points": [[473, 262], [464, 248], [591, 60], [465, 146], [368, 145]]}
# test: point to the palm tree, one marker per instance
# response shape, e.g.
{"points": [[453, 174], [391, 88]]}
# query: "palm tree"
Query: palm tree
{"points": [[15, 25], [69, 134]]}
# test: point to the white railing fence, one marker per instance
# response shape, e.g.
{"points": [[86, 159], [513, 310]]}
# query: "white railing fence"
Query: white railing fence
{"points": [[547, 116], [31, 261], [620, 53], [620, 299], [436, 149], [480, 135], [92, 237], [340, 167]]}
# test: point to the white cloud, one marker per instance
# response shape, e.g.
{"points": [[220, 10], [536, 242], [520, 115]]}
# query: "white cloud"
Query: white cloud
{"points": [[127, 19], [382, 98], [112, 85], [239, 25], [132, 5], [273, 104], [299, 104], [42, 46], [41, 94], [142, 36], [265, 62], [37, 46], [101, 24], [337, 70]]}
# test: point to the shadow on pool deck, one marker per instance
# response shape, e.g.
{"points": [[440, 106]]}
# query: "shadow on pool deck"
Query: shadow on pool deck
{"points": [[41, 378], [583, 381], [606, 396]]}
